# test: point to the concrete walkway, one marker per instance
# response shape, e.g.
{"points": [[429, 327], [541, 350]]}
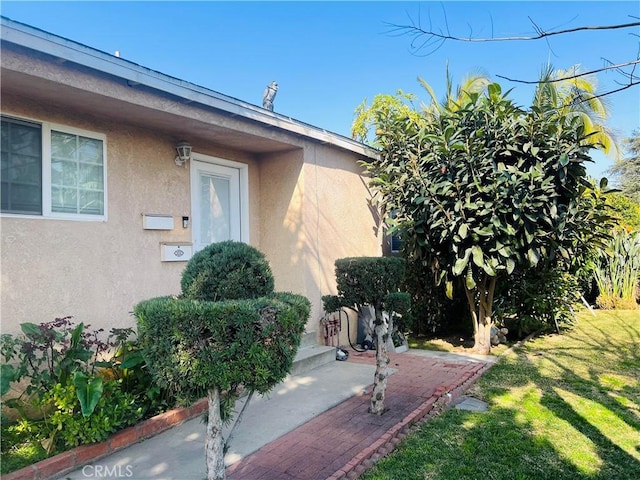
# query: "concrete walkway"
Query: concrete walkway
{"points": [[312, 426]]}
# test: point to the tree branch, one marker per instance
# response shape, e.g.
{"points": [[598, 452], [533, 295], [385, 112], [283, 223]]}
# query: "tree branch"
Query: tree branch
{"points": [[609, 92], [432, 39], [577, 75], [417, 31]]}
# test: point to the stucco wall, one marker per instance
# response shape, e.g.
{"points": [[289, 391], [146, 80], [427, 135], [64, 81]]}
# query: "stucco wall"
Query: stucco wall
{"points": [[339, 222], [282, 237], [314, 210], [97, 271], [307, 207]]}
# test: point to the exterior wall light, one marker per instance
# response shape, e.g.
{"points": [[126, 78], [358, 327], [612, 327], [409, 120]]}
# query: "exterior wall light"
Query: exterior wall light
{"points": [[184, 153]]}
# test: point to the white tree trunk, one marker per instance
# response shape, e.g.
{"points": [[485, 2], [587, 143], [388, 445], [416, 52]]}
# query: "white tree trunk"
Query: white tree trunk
{"points": [[389, 319], [214, 444], [481, 313], [482, 340], [382, 360]]}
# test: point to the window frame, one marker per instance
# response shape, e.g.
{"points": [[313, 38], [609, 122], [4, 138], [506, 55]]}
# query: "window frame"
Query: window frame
{"points": [[47, 213]]}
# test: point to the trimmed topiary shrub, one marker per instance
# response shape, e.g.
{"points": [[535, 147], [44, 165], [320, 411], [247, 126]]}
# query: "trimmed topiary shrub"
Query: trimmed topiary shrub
{"points": [[227, 333], [227, 271], [193, 345], [373, 281], [368, 280]]}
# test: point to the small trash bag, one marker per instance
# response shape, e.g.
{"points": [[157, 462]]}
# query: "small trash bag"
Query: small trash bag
{"points": [[341, 355]]}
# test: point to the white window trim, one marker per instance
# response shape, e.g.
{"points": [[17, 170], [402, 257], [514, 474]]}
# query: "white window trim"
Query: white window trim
{"points": [[47, 127], [244, 188]]}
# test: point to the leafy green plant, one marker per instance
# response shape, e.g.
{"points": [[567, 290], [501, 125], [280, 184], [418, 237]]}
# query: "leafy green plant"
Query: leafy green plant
{"points": [[128, 365], [481, 188], [618, 270], [227, 271], [89, 391], [71, 424], [539, 299], [49, 353], [79, 387], [626, 211], [19, 446]]}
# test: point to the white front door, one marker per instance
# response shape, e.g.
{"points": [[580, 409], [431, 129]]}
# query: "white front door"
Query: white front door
{"points": [[216, 204]]}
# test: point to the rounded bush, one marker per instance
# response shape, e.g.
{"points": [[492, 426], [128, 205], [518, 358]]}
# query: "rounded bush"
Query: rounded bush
{"points": [[227, 271], [192, 346]]}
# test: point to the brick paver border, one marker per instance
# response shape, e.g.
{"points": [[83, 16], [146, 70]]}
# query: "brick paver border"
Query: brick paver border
{"points": [[439, 402]]}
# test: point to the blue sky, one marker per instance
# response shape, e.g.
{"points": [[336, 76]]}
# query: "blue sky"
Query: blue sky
{"points": [[327, 57]]}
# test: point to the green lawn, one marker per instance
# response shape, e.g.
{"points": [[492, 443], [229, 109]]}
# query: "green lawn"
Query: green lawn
{"points": [[560, 407]]}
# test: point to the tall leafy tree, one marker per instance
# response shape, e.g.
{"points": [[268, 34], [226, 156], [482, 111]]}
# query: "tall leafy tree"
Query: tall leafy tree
{"points": [[481, 187], [575, 95], [626, 171]]}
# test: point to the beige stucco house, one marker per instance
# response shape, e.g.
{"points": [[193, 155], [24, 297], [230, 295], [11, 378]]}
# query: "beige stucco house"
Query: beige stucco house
{"points": [[97, 213]]}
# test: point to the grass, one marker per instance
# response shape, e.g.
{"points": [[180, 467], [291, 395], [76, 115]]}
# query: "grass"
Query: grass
{"points": [[560, 407]]}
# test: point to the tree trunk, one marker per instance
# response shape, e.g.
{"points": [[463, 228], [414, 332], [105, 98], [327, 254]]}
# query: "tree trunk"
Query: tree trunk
{"points": [[390, 346], [214, 446], [480, 301], [382, 360], [482, 339], [367, 315]]}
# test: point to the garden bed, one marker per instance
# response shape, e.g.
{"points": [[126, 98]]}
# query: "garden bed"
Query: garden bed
{"points": [[75, 458]]}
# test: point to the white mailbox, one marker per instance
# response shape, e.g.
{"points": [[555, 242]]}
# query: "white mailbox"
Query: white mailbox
{"points": [[176, 252], [152, 221]]}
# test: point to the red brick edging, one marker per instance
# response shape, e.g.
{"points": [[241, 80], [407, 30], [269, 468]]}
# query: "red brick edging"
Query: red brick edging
{"points": [[439, 402], [71, 460]]}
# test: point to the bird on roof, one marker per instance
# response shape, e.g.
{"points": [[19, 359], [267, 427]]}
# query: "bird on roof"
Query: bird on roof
{"points": [[269, 95]]}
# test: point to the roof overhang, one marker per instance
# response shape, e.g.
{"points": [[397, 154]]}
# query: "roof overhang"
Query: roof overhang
{"points": [[269, 133]]}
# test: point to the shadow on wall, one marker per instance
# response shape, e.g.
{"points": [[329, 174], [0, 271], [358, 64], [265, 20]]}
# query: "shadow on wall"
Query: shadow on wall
{"points": [[311, 213]]}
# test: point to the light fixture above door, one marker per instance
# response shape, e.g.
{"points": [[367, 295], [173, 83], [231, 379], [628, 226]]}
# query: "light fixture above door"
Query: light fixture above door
{"points": [[184, 153]]}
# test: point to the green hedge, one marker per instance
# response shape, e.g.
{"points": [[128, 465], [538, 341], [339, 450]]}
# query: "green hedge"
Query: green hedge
{"points": [[227, 271], [192, 345], [368, 280]]}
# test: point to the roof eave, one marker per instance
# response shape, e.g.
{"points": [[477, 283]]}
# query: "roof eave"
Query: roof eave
{"points": [[68, 50]]}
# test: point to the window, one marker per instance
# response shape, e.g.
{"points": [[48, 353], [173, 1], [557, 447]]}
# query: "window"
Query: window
{"points": [[396, 243], [51, 171], [395, 240], [21, 172]]}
